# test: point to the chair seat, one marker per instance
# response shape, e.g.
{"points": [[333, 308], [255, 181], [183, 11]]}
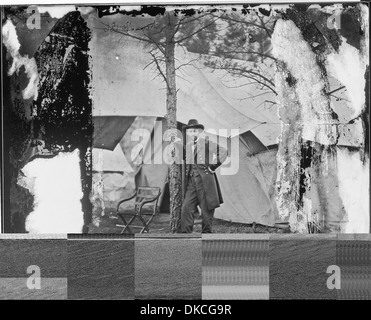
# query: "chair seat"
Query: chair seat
{"points": [[135, 213], [131, 226]]}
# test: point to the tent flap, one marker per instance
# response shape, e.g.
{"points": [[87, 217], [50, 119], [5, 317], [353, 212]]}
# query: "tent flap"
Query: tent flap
{"points": [[109, 130]]}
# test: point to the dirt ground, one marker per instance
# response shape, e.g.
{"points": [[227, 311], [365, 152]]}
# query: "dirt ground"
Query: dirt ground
{"points": [[107, 223]]}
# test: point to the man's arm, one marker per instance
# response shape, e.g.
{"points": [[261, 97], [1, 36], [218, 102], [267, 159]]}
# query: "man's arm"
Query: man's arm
{"points": [[221, 155]]}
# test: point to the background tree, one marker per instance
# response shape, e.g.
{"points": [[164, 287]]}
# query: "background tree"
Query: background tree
{"points": [[162, 35], [240, 44], [242, 48]]}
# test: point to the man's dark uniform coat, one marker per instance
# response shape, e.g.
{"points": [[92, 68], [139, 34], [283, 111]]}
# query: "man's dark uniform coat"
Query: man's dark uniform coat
{"points": [[202, 187]]}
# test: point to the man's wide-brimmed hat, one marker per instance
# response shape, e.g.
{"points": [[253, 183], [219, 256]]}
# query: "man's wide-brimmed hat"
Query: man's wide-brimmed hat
{"points": [[193, 123]]}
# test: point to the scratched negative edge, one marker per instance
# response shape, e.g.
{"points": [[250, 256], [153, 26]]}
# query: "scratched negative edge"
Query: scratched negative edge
{"points": [[236, 236], [32, 236], [99, 236]]}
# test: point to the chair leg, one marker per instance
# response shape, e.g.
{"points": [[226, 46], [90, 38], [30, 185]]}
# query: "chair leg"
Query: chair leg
{"points": [[145, 228], [126, 224], [149, 221]]}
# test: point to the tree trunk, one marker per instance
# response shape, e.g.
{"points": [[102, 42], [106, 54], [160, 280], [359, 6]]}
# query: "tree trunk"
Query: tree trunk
{"points": [[175, 174]]}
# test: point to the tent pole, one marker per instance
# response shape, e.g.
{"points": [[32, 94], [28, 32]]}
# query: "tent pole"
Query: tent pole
{"points": [[183, 180], [183, 167]]}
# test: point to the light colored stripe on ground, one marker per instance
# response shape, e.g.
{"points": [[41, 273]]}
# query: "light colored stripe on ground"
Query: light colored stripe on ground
{"points": [[354, 236], [307, 237], [250, 275], [167, 236], [235, 292], [16, 289], [32, 236], [235, 236]]}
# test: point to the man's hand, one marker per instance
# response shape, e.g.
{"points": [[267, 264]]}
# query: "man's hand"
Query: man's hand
{"points": [[211, 168]]}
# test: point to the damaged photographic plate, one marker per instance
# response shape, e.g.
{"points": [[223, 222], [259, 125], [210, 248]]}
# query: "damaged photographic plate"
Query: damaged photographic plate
{"points": [[96, 100]]}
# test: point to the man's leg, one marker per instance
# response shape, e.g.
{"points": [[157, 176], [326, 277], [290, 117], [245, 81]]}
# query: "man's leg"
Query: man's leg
{"points": [[207, 220], [189, 207], [207, 215]]}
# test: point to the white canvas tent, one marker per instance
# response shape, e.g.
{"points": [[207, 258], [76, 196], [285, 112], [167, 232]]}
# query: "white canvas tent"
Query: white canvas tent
{"points": [[248, 194], [124, 86], [126, 93], [110, 175], [110, 161]]}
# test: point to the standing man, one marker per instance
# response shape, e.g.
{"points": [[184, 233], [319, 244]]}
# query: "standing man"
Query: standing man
{"points": [[202, 158]]}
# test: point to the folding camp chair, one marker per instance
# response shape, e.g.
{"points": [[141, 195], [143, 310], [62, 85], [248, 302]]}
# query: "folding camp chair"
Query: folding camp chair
{"points": [[143, 196]]}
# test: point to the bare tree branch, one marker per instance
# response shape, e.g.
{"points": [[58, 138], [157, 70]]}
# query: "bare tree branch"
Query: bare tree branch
{"points": [[254, 96], [333, 91], [197, 31], [177, 28], [159, 45], [194, 19], [190, 63], [263, 84], [269, 101], [245, 73], [246, 23], [125, 33], [238, 86], [158, 32], [258, 81], [257, 74], [243, 52], [264, 27], [159, 70], [153, 61]]}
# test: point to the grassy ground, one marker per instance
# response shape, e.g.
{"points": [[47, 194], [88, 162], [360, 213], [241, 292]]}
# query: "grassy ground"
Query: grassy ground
{"points": [[221, 226], [160, 224]]}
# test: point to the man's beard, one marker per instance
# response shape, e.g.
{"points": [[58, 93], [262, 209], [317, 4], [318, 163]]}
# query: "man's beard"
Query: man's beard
{"points": [[192, 138]]}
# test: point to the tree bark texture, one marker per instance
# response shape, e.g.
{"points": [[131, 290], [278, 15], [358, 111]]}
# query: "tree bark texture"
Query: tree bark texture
{"points": [[175, 173]]}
